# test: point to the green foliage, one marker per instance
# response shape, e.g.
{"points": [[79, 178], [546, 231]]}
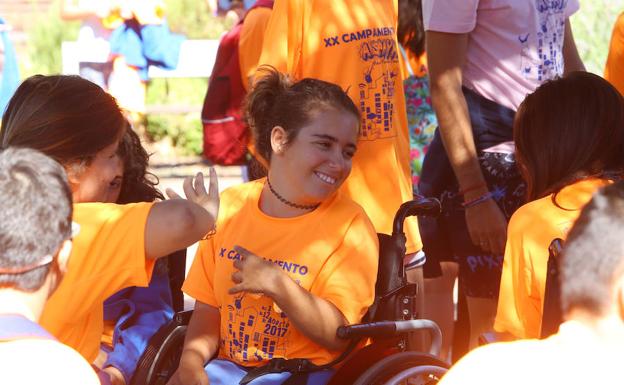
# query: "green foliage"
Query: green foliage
{"points": [[44, 42], [192, 18], [592, 26], [185, 129]]}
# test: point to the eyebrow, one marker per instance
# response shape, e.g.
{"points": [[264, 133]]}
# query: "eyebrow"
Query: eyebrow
{"points": [[333, 139]]}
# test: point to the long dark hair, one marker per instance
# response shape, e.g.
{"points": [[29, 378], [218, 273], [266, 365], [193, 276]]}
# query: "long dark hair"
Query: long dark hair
{"points": [[569, 129], [71, 119], [68, 118], [411, 30]]}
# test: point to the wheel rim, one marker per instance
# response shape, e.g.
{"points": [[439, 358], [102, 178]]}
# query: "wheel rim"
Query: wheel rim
{"points": [[430, 373]]}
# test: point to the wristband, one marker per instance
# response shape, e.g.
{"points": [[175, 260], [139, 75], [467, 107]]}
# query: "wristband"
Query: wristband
{"points": [[209, 234], [498, 193]]}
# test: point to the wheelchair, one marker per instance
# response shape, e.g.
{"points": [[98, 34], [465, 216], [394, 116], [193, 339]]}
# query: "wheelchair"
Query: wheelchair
{"points": [[387, 359], [552, 316]]}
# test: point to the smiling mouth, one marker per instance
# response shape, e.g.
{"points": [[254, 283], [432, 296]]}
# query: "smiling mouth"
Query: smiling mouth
{"points": [[325, 178]]}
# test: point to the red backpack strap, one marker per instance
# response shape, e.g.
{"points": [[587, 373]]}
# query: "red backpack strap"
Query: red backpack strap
{"points": [[16, 327]]}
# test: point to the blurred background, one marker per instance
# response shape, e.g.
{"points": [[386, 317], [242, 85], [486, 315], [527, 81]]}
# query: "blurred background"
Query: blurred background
{"points": [[173, 105]]}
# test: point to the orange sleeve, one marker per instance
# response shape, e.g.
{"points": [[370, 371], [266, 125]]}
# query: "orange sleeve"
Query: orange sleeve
{"points": [[109, 250], [519, 312], [283, 38], [250, 43], [614, 69], [348, 278], [199, 282]]}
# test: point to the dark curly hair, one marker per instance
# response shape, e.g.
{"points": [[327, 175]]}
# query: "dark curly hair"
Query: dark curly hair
{"points": [[138, 185]]}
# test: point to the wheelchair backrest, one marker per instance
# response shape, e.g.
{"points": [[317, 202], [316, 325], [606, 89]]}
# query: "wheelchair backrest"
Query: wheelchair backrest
{"points": [[551, 312]]}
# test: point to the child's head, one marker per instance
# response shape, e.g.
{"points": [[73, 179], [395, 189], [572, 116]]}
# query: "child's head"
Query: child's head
{"points": [[76, 123], [35, 218], [592, 264], [307, 131], [568, 129]]}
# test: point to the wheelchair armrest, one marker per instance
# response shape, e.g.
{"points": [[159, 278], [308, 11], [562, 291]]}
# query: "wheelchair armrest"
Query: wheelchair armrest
{"points": [[391, 328]]}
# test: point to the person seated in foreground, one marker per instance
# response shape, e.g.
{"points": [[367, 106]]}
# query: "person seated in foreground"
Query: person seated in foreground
{"points": [[565, 153], [76, 123], [35, 243], [293, 258], [589, 346]]}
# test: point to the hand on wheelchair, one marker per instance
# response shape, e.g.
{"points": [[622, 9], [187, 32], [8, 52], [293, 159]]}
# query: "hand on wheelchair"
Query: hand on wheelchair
{"points": [[189, 372], [254, 274]]}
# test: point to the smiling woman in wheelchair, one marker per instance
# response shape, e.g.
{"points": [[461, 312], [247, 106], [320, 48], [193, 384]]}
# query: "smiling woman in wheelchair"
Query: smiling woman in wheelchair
{"points": [[292, 258]]}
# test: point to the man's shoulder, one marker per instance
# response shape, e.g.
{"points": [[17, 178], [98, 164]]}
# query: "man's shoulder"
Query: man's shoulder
{"points": [[46, 361]]}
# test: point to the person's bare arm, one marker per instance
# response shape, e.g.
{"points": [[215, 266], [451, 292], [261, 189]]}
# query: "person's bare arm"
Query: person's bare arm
{"points": [[446, 53], [313, 316], [571, 58], [175, 224], [200, 344]]}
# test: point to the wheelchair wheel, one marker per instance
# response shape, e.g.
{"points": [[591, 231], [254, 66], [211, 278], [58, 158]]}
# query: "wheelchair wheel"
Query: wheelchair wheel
{"points": [[162, 356], [411, 368]]}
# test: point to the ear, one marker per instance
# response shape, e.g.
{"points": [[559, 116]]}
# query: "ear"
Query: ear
{"points": [[73, 171], [279, 139], [63, 255]]}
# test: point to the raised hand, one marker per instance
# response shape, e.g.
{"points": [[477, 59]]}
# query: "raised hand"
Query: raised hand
{"points": [[195, 191]]}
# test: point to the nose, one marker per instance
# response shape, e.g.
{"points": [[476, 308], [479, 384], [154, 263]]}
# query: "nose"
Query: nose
{"points": [[119, 166], [337, 160]]}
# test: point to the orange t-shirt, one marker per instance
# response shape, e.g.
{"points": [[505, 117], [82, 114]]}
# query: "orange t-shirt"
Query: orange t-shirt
{"points": [[531, 230], [572, 356], [332, 252], [354, 44], [250, 42], [614, 69], [108, 254]]}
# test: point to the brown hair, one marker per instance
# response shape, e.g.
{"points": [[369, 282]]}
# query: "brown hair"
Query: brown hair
{"points": [[569, 129], [71, 119], [68, 118], [278, 101], [411, 30], [138, 184]]}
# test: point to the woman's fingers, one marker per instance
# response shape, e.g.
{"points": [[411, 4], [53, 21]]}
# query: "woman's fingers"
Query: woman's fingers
{"points": [[172, 194], [213, 189], [243, 252], [188, 189], [237, 277], [198, 185]]}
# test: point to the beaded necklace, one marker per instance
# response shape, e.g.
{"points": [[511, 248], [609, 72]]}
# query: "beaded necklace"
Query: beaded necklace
{"points": [[289, 203]]}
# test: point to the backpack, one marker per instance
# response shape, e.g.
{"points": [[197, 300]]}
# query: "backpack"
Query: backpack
{"points": [[225, 133]]}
